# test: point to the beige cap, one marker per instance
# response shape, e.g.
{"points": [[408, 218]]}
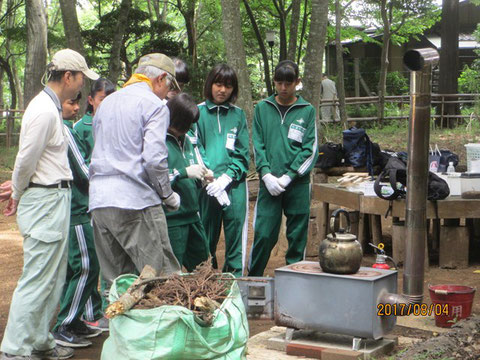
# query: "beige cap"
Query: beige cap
{"points": [[70, 60], [160, 61]]}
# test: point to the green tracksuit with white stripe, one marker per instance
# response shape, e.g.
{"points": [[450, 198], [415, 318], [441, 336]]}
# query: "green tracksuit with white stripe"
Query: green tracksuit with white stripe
{"points": [[222, 139], [185, 228], [80, 293], [284, 145]]}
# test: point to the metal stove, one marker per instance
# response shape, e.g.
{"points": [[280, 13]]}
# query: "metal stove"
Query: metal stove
{"points": [[308, 298]]}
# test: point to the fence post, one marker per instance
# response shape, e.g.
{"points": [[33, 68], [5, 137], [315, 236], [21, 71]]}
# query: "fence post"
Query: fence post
{"points": [[441, 113], [9, 128]]}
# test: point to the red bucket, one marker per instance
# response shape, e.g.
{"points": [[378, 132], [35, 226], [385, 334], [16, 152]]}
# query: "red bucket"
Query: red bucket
{"points": [[455, 303]]}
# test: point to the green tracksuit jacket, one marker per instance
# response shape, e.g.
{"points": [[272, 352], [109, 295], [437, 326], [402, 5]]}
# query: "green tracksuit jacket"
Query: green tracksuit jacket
{"points": [[288, 144], [83, 127], [222, 140], [180, 156]]}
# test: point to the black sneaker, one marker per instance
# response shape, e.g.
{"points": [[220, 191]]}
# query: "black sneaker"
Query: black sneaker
{"points": [[65, 337], [81, 329]]}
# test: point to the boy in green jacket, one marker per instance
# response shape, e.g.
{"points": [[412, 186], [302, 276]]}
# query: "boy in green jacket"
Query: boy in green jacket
{"points": [[285, 142], [221, 136], [185, 229]]}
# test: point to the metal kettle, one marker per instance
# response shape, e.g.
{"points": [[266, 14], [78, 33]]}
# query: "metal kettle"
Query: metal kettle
{"points": [[340, 252]]}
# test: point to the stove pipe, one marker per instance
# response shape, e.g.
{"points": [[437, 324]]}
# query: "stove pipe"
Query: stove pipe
{"points": [[420, 63]]}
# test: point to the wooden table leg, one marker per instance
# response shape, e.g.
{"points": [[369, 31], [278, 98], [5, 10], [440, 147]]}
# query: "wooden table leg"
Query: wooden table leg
{"points": [[376, 229], [323, 220], [362, 218]]}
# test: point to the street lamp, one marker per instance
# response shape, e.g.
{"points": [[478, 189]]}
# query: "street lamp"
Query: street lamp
{"points": [[270, 37]]}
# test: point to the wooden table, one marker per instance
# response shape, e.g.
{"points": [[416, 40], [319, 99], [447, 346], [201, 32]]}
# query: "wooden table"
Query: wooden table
{"points": [[373, 207]]}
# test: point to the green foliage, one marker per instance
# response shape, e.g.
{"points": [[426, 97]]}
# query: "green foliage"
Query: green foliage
{"points": [[397, 84], [469, 80]]}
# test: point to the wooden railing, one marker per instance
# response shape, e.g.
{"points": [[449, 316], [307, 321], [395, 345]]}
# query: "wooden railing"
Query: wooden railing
{"points": [[403, 103], [11, 132]]}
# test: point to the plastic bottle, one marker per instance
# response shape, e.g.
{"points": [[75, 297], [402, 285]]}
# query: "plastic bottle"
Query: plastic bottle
{"points": [[450, 168]]}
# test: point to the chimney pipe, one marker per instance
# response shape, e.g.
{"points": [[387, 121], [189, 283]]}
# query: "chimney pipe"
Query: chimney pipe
{"points": [[420, 62]]}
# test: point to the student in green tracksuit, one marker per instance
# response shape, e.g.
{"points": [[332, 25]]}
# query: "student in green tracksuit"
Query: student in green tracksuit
{"points": [[221, 136], [83, 267], [285, 143], [185, 228]]}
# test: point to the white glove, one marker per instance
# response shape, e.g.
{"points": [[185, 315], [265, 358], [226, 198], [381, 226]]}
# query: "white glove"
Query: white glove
{"points": [[196, 171], [216, 187], [223, 199], [284, 181], [172, 203], [272, 184]]}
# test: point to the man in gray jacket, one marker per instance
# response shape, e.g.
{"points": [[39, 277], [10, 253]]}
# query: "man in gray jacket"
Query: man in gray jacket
{"points": [[329, 93], [129, 174]]}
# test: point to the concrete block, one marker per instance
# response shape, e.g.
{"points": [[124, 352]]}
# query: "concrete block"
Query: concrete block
{"points": [[454, 247], [339, 354], [310, 351]]}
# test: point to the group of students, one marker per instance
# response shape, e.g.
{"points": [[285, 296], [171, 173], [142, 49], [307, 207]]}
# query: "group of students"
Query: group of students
{"points": [[208, 160]]}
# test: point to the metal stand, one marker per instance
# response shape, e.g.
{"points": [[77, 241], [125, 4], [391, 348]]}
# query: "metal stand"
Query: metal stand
{"points": [[289, 334], [356, 343]]}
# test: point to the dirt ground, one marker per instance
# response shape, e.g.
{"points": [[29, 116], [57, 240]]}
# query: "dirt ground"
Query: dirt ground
{"points": [[11, 261]]}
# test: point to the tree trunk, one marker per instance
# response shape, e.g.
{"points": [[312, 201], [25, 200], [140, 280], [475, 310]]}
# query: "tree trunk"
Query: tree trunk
{"points": [[302, 33], [2, 104], [18, 85], [236, 57], [448, 82], [282, 15], [261, 45], [340, 72], [36, 20], [382, 82], [115, 65], [292, 40], [8, 71], [71, 26], [312, 79], [187, 9]]}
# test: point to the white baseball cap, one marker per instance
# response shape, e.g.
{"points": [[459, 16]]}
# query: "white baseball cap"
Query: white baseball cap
{"points": [[70, 60]]}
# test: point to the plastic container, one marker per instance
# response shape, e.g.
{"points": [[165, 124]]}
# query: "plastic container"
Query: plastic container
{"points": [[450, 168], [473, 157], [470, 183], [459, 299], [454, 182]]}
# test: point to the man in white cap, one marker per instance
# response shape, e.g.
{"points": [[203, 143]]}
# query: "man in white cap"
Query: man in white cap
{"points": [[41, 198], [129, 179]]}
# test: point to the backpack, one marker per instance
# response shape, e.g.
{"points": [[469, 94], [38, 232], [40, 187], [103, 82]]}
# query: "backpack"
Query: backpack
{"points": [[329, 155], [358, 148], [396, 172]]}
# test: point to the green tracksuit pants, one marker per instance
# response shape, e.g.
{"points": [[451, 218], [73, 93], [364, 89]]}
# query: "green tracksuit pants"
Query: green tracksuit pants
{"points": [[295, 203], [189, 244], [235, 224], [80, 293]]}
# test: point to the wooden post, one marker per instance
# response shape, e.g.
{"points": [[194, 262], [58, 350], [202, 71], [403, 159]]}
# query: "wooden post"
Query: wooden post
{"points": [[356, 66], [441, 113], [322, 220], [9, 128], [376, 229]]}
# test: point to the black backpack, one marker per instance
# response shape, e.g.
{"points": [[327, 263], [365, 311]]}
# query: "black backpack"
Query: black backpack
{"points": [[329, 155], [358, 148], [396, 172]]}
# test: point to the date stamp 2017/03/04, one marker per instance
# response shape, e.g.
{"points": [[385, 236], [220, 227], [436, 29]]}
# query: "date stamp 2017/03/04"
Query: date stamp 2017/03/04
{"points": [[414, 309]]}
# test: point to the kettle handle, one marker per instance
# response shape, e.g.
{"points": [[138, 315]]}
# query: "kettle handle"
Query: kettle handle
{"points": [[334, 216]]}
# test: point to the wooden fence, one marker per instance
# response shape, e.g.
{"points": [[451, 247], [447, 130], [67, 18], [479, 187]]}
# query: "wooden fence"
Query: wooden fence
{"points": [[12, 132], [403, 103]]}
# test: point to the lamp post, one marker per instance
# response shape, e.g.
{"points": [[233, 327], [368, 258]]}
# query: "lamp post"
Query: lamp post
{"points": [[270, 37]]}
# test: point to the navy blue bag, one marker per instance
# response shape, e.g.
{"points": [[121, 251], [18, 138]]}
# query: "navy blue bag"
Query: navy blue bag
{"points": [[358, 148]]}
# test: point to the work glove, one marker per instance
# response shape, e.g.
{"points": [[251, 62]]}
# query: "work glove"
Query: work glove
{"points": [[196, 171], [223, 199], [272, 184], [218, 185], [172, 203], [209, 177], [284, 181]]}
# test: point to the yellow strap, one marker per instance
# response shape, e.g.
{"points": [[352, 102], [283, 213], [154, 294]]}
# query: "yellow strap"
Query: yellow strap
{"points": [[136, 78]]}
